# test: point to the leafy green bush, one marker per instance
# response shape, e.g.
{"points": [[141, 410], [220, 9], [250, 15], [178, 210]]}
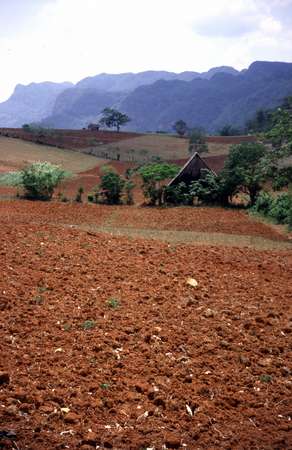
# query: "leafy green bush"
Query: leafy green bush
{"points": [[289, 217], [178, 195], [281, 208], [112, 185], [264, 203], [38, 180], [208, 188]]}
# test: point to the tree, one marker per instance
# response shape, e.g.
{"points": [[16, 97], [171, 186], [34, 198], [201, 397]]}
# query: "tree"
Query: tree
{"points": [[229, 130], [281, 131], [113, 118], [245, 169], [197, 142], [180, 127], [261, 122], [112, 185], [154, 178]]}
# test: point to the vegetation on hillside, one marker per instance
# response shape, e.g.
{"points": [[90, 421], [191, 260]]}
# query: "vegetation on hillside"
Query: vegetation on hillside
{"points": [[37, 180]]}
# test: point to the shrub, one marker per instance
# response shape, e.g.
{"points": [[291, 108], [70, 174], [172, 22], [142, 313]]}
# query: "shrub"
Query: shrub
{"points": [[208, 189], [264, 203], [112, 185], [281, 207], [78, 197], [129, 186], [178, 195], [289, 217], [38, 180]]}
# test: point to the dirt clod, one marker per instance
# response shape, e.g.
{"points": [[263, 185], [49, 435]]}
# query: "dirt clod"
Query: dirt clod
{"points": [[4, 378]]}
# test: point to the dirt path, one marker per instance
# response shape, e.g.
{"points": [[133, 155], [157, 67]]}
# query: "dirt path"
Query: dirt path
{"points": [[189, 237]]}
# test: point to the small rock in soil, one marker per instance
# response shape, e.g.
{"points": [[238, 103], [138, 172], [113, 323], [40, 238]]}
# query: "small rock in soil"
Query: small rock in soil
{"points": [[224, 344], [71, 418], [286, 371], [264, 362], [209, 313]]}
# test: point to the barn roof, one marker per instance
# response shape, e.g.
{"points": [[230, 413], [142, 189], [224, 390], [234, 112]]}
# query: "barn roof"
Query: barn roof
{"points": [[191, 171]]}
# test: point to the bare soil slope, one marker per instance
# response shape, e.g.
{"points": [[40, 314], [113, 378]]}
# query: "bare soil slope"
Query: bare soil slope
{"points": [[15, 153]]}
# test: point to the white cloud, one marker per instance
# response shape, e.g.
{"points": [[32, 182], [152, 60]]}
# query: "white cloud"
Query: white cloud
{"points": [[71, 39]]}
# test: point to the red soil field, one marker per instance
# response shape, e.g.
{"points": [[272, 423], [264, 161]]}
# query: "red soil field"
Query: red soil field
{"points": [[70, 139], [104, 344], [230, 139], [197, 219]]}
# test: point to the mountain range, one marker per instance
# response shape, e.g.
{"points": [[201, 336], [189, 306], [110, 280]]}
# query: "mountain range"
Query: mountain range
{"points": [[154, 100]]}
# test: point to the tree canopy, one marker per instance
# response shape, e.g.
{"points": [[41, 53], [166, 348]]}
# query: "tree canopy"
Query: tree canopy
{"points": [[180, 127], [153, 176], [113, 118], [197, 142]]}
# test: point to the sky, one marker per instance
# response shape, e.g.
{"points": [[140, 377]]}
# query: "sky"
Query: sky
{"points": [[67, 40]]}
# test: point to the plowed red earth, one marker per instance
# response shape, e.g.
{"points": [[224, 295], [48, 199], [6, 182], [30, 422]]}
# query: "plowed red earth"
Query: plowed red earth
{"points": [[201, 219], [103, 344]]}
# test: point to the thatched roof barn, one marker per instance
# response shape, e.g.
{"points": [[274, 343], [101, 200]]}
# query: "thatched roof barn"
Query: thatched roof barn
{"points": [[191, 171]]}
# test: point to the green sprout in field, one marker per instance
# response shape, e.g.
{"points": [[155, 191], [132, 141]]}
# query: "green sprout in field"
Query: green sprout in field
{"points": [[88, 325], [113, 303]]}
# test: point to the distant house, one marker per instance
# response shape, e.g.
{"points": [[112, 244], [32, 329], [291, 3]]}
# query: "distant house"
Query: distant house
{"points": [[93, 127], [191, 171]]}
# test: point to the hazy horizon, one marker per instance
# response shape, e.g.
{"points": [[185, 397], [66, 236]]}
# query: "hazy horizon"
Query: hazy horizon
{"points": [[68, 40]]}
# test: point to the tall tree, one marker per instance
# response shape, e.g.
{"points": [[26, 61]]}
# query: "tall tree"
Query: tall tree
{"points": [[197, 142], [180, 127], [245, 169], [154, 178], [113, 118]]}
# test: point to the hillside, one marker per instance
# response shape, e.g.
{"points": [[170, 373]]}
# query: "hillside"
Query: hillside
{"points": [[64, 105], [30, 103], [15, 153], [211, 104], [155, 100]]}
